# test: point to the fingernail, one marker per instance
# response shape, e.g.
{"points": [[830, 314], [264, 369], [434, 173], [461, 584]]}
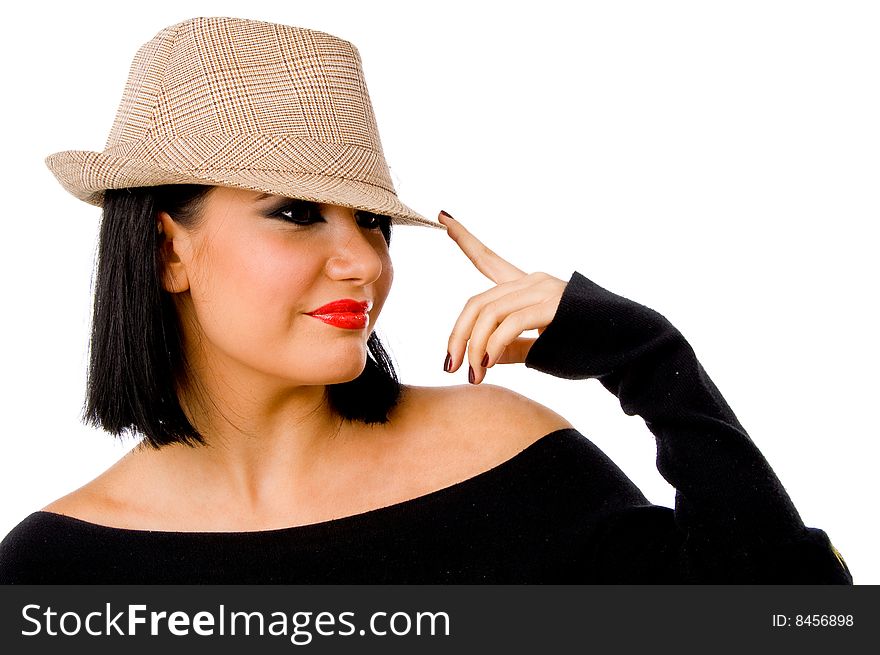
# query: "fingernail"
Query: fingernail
{"points": [[448, 363], [445, 213], [471, 376], [485, 360]]}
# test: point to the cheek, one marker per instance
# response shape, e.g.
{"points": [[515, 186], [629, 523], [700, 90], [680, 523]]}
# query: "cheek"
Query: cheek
{"points": [[255, 289]]}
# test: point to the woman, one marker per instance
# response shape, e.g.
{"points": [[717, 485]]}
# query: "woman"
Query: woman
{"points": [[243, 264]]}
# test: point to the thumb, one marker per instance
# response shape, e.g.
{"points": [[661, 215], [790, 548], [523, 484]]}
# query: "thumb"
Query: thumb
{"points": [[516, 351]]}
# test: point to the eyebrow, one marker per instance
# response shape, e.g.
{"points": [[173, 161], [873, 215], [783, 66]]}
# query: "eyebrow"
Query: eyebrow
{"points": [[265, 196]]}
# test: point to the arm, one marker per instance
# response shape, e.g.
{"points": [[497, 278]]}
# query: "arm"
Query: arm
{"points": [[733, 521]]}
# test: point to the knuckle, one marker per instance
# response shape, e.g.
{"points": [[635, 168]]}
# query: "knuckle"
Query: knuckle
{"points": [[473, 301], [511, 323], [491, 309]]}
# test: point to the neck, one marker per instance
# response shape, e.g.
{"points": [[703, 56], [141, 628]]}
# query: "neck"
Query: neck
{"points": [[266, 443]]}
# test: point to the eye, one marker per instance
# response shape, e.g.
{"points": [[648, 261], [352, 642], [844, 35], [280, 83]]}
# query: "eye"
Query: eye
{"points": [[370, 220], [299, 212]]}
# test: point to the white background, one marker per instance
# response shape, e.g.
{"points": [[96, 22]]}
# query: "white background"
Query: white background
{"points": [[717, 161]]}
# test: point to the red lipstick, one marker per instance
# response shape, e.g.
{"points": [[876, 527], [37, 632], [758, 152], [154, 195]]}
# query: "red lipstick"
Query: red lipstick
{"points": [[344, 313]]}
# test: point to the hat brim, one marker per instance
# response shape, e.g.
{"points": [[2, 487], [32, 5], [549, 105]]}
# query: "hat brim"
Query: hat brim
{"points": [[86, 175]]}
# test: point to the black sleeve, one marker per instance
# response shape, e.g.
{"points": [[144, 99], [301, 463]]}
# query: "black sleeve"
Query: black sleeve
{"points": [[733, 521]]}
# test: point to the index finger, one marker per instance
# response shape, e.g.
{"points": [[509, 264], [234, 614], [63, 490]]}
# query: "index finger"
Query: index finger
{"points": [[488, 262]]}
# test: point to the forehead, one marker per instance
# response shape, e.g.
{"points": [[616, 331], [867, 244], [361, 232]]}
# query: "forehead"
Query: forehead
{"points": [[248, 196]]}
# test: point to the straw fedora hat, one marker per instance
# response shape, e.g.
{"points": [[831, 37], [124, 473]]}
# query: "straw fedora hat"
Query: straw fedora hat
{"points": [[247, 104]]}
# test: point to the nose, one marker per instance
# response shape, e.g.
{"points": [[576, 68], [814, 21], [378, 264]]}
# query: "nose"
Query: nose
{"points": [[353, 251]]}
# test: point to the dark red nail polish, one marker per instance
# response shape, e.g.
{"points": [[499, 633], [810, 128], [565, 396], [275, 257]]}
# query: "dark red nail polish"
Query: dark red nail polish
{"points": [[485, 360], [445, 213], [471, 376], [448, 363]]}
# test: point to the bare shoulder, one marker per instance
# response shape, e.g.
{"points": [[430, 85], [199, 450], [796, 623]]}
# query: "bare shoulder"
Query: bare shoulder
{"points": [[488, 414], [509, 410], [83, 503], [95, 500]]}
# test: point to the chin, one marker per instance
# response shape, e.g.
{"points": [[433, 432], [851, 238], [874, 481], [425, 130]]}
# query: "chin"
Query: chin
{"points": [[353, 373], [328, 363], [342, 369]]}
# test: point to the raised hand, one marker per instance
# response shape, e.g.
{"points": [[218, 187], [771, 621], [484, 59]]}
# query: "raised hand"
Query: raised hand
{"points": [[488, 330]]}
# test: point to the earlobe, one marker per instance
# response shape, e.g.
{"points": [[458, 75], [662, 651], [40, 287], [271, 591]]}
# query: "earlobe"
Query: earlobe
{"points": [[172, 242]]}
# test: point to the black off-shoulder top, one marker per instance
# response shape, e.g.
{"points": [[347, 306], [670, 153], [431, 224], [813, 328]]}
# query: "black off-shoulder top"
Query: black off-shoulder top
{"points": [[559, 511]]}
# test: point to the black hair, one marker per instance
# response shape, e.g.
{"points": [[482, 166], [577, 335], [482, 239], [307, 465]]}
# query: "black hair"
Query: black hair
{"points": [[136, 359]]}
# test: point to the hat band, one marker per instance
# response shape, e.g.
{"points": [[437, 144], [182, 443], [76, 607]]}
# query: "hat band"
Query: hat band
{"points": [[197, 155]]}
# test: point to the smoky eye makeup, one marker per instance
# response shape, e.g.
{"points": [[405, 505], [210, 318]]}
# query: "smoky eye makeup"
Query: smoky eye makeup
{"points": [[305, 212], [300, 212], [370, 220]]}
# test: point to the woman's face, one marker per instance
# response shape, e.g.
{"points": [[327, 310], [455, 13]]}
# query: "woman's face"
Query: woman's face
{"points": [[251, 270]]}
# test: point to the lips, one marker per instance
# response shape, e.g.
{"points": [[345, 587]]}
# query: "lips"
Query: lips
{"points": [[345, 313], [344, 306]]}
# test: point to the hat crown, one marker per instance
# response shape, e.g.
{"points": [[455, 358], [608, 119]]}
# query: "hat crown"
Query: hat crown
{"points": [[248, 104], [228, 76]]}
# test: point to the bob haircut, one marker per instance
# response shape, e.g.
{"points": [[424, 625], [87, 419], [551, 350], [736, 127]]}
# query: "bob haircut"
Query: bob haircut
{"points": [[136, 360]]}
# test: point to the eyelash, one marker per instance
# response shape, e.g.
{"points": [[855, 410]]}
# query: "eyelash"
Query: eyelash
{"points": [[310, 210]]}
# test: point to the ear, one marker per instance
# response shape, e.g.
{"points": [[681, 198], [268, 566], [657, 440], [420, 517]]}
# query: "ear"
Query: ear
{"points": [[174, 250]]}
